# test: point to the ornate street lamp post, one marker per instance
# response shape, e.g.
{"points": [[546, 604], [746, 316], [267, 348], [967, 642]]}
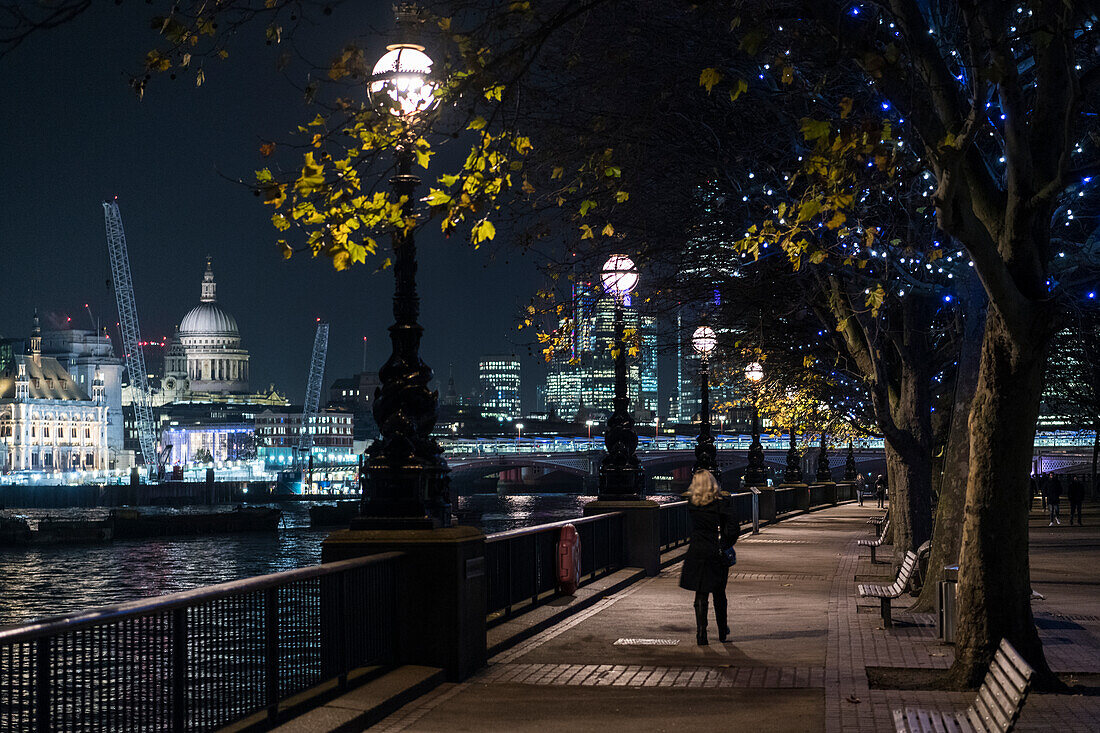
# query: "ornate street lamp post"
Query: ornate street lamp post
{"points": [[754, 473], [406, 484], [793, 473], [706, 455], [850, 472], [823, 471], [621, 474]]}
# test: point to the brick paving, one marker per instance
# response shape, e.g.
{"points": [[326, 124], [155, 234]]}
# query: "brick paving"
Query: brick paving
{"points": [[804, 634]]}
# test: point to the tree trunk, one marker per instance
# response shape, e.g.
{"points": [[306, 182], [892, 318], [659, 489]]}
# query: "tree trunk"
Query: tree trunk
{"points": [[994, 593], [947, 529]]}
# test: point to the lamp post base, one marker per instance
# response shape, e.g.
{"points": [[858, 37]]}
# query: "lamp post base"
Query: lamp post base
{"points": [[408, 497], [625, 483]]}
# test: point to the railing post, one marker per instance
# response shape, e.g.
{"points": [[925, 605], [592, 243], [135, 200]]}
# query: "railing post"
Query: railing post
{"points": [[179, 669], [42, 685], [271, 652], [755, 509]]}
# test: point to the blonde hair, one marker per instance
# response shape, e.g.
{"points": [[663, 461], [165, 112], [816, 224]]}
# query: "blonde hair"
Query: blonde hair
{"points": [[703, 489]]}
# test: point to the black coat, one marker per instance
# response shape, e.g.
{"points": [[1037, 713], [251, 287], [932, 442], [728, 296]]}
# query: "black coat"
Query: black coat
{"points": [[714, 527], [1076, 492]]}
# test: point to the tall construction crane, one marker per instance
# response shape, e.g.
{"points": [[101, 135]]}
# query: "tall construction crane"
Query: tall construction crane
{"points": [[131, 332], [312, 405]]}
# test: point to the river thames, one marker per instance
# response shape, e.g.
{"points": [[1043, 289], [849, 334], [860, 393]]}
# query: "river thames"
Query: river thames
{"points": [[50, 580]]}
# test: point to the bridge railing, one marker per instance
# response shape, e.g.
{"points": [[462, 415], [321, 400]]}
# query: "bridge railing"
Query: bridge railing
{"points": [[521, 564], [201, 659]]}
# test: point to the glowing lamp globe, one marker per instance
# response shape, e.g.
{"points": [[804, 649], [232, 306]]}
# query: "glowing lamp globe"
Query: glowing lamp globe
{"points": [[754, 372], [704, 340], [619, 275], [399, 82]]}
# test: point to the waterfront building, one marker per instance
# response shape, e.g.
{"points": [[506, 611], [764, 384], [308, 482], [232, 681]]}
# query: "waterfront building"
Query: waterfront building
{"points": [[84, 353], [48, 422], [277, 433], [207, 432], [499, 379], [356, 394]]}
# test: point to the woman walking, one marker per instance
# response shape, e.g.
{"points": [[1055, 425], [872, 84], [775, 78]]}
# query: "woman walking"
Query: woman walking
{"points": [[714, 529]]}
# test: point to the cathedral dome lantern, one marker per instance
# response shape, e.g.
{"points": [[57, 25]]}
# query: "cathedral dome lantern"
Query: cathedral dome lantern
{"points": [[206, 318]]}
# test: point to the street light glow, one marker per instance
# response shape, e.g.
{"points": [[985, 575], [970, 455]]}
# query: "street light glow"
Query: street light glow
{"points": [[754, 372], [704, 340], [399, 81], [619, 275]]}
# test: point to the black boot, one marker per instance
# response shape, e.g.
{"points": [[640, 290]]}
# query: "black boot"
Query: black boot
{"points": [[701, 620], [720, 616]]}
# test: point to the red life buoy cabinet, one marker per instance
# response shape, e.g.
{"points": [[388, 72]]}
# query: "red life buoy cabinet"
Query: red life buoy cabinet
{"points": [[569, 560]]}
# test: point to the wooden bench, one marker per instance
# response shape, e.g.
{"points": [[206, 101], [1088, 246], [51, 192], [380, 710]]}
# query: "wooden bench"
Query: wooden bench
{"points": [[997, 707], [877, 542], [877, 521], [886, 593]]}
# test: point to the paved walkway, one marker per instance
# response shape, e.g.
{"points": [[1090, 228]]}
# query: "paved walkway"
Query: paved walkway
{"points": [[798, 655]]}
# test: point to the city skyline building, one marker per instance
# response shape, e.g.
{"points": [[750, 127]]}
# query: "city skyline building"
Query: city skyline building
{"points": [[499, 386], [580, 379]]}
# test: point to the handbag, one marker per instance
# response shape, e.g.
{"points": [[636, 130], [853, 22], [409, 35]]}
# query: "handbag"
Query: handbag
{"points": [[730, 555]]}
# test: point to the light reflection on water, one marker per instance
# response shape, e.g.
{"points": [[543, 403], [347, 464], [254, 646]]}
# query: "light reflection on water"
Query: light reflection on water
{"points": [[50, 580]]}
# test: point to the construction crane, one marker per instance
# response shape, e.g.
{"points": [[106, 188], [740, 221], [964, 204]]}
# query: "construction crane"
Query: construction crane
{"points": [[304, 448], [131, 332]]}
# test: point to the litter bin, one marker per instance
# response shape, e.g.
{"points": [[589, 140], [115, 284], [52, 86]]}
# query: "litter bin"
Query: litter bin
{"points": [[945, 604]]}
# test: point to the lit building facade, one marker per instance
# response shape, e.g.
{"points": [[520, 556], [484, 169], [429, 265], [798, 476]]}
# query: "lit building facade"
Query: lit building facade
{"points": [[277, 435], [47, 421], [84, 353], [499, 381]]}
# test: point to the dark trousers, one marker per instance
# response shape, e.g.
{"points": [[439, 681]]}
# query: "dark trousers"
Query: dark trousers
{"points": [[1075, 508], [1053, 506], [719, 610]]}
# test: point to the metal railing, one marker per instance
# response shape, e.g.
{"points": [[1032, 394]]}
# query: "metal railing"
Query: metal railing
{"points": [[521, 565], [201, 659], [786, 500], [675, 525]]}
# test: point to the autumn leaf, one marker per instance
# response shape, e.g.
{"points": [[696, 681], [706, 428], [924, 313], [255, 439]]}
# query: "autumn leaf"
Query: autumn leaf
{"points": [[608, 230], [586, 232], [483, 231], [267, 149], [845, 107], [621, 197], [709, 77], [739, 88], [815, 129], [875, 299], [477, 123]]}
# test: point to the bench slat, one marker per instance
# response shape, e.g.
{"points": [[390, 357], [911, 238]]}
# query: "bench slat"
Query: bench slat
{"points": [[1007, 676], [976, 721], [935, 721], [1003, 687], [962, 721], [997, 706], [1014, 658], [988, 716], [912, 717], [899, 722]]}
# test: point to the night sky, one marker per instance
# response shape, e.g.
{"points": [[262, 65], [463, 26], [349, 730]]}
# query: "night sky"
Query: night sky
{"points": [[73, 134]]}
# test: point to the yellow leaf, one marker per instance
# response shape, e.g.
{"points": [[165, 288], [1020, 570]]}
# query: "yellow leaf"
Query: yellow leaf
{"points": [[556, 173], [621, 197], [739, 88], [477, 123], [788, 75], [284, 249], [586, 232], [436, 197], [608, 230], [523, 145], [484, 230], [837, 220], [845, 107], [709, 77], [814, 129], [281, 222]]}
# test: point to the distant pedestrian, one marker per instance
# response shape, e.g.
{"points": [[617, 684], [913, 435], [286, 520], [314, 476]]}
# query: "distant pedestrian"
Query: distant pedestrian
{"points": [[1076, 495], [861, 485], [880, 490], [1054, 498], [1034, 492], [1044, 481], [714, 529]]}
